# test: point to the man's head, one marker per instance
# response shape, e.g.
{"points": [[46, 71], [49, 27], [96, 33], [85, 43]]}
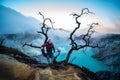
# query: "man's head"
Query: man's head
{"points": [[49, 41]]}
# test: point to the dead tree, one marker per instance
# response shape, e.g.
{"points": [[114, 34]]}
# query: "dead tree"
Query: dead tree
{"points": [[45, 28], [44, 31], [86, 37]]}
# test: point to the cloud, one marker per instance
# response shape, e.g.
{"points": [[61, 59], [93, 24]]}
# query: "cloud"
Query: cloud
{"points": [[115, 28]]}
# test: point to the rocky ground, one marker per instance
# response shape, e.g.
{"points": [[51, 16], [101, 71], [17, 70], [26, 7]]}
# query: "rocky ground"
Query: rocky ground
{"points": [[14, 65], [11, 69]]}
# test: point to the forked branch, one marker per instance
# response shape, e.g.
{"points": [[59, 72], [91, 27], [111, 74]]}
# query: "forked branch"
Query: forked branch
{"points": [[26, 44], [86, 37]]}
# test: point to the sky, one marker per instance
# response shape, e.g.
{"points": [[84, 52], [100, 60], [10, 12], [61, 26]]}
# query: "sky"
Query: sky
{"points": [[106, 12]]}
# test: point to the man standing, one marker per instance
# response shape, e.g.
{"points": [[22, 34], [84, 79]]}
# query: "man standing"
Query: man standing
{"points": [[49, 50]]}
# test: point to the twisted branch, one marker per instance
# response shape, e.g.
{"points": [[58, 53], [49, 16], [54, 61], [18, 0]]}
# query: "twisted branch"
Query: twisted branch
{"points": [[86, 37], [44, 30], [26, 44]]}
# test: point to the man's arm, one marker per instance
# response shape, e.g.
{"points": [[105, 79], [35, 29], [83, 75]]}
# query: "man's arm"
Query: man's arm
{"points": [[53, 47], [45, 44], [42, 47]]}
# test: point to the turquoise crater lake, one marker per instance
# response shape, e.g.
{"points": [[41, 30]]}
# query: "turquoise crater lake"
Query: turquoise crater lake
{"points": [[83, 58]]}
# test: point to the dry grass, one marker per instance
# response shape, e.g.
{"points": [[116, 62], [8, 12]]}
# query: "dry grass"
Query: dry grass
{"points": [[14, 70]]}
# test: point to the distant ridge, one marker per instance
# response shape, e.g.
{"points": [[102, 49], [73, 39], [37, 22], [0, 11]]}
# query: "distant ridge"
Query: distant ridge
{"points": [[12, 21]]}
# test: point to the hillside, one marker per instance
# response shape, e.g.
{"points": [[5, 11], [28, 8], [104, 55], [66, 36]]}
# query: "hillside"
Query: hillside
{"points": [[110, 55], [12, 69], [12, 21]]}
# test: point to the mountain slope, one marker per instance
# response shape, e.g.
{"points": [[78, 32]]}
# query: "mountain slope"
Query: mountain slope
{"points": [[11, 69], [12, 21], [110, 55]]}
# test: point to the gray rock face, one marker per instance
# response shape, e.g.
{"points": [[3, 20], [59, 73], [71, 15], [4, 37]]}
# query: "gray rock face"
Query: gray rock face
{"points": [[110, 54]]}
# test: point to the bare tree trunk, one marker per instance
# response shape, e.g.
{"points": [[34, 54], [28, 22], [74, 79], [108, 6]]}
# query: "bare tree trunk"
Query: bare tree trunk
{"points": [[68, 56], [86, 37]]}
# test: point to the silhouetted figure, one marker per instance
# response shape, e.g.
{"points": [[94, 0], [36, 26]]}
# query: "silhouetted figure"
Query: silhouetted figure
{"points": [[49, 50]]}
